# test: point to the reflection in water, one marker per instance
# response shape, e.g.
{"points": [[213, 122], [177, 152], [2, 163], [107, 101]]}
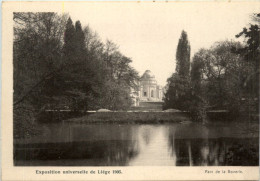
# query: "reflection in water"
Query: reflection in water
{"points": [[200, 149], [152, 147], [190, 156], [71, 144]]}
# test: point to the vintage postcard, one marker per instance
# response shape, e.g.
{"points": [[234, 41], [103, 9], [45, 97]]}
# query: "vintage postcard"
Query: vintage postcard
{"points": [[130, 90]]}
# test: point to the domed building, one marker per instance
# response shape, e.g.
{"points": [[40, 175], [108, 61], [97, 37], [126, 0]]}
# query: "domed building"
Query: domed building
{"points": [[148, 91]]}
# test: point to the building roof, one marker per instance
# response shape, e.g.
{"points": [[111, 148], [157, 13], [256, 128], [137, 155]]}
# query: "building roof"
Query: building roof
{"points": [[148, 75]]}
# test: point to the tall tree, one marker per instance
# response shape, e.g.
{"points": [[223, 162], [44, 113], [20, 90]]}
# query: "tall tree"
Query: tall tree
{"points": [[178, 91], [69, 40], [79, 39], [75, 74], [183, 56]]}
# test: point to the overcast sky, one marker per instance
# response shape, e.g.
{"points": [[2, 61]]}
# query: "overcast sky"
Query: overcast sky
{"points": [[149, 32]]}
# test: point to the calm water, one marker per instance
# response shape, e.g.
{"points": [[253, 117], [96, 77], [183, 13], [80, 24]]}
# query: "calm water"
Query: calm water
{"points": [[130, 145]]}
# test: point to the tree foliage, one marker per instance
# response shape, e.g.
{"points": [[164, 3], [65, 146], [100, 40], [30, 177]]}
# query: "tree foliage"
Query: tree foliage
{"points": [[251, 54], [217, 74]]}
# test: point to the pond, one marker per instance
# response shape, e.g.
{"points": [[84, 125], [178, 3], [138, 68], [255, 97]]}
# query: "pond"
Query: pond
{"points": [[78, 144]]}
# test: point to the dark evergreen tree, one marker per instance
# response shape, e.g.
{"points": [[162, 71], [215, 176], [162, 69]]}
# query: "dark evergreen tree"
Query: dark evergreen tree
{"points": [[178, 87], [69, 40], [183, 56], [75, 72], [79, 40]]}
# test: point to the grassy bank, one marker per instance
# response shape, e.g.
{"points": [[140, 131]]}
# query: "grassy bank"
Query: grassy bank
{"points": [[132, 117]]}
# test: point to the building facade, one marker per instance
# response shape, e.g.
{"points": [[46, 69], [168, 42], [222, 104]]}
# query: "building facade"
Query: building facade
{"points": [[148, 90]]}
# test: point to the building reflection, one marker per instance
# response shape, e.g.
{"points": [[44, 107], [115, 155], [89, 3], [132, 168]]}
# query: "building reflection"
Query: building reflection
{"points": [[153, 147]]}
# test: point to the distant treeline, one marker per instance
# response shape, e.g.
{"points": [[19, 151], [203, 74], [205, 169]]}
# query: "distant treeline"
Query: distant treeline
{"points": [[223, 77], [60, 65]]}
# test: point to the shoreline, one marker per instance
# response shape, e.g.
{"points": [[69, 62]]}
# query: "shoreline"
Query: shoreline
{"points": [[138, 117], [132, 117]]}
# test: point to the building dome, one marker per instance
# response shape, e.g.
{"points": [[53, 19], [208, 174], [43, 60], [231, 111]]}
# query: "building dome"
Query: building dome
{"points": [[148, 78], [148, 75]]}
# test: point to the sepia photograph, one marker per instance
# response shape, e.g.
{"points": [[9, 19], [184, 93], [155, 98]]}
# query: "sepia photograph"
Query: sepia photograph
{"points": [[135, 84]]}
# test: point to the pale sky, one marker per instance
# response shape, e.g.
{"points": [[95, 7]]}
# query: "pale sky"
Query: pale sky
{"points": [[149, 32]]}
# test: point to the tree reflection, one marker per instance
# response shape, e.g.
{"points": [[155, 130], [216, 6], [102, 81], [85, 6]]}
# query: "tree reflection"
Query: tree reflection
{"points": [[196, 146]]}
